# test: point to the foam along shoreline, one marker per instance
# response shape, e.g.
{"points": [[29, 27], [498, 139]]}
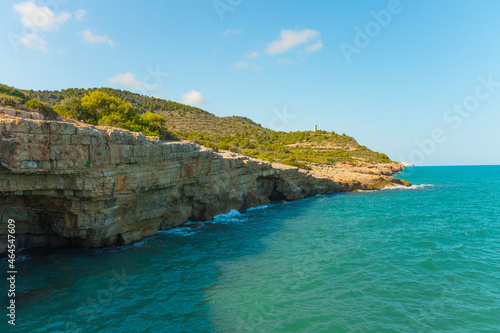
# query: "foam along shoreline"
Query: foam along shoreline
{"points": [[411, 187], [402, 187], [73, 185]]}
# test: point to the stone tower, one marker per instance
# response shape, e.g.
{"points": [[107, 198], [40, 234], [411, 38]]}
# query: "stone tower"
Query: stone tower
{"points": [[315, 128]]}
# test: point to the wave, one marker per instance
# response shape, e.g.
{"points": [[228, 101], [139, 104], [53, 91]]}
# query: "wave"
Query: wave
{"points": [[412, 187], [232, 216], [140, 243], [191, 227], [179, 231], [257, 208], [401, 187]]}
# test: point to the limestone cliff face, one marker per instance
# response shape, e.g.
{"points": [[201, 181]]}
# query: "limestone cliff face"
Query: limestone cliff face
{"points": [[68, 184]]}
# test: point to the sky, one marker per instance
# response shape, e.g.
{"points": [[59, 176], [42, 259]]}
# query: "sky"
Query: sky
{"points": [[418, 80]]}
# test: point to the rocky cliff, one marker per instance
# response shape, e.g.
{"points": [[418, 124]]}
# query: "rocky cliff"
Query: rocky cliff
{"points": [[71, 184]]}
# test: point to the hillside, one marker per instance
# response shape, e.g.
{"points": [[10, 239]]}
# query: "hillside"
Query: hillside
{"points": [[171, 120], [180, 117]]}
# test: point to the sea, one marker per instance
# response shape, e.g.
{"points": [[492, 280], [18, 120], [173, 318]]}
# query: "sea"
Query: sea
{"points": [[420, 259]]}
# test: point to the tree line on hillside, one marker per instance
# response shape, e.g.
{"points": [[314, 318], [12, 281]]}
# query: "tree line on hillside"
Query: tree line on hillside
{"points": [[95, 107], [99, 108], [141, 103]]}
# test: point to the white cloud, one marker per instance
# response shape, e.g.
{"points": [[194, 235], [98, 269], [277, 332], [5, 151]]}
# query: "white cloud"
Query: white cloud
{"points": [[241, 64], [252, 55], [314, 47], [80, 14], [232, 32], [40, 17], [33, 41], [246, 65], [90, 37], [284, 61], [129, 80], [256, 68], [192, 98], [290, 39]]}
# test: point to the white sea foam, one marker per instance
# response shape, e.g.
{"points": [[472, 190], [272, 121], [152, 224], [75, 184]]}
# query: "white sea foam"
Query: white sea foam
{"points": [[179, 231], [257, 208], [412, 187], [189, 228], [141, 243], [232, 216], [400, 187]]}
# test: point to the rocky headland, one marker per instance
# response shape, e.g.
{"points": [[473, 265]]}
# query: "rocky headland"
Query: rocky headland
{"points": [[73, 184]]}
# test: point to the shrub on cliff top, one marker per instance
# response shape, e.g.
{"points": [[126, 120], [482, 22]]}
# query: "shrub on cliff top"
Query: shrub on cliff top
{"points": [[41, 107], [153, 118], [99, 102], [65, 112], [7, 100], [384, 158], [11, 91], [100, 108]]}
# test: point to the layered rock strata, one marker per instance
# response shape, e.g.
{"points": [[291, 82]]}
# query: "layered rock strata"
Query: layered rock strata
{"points": [[71, 184]]}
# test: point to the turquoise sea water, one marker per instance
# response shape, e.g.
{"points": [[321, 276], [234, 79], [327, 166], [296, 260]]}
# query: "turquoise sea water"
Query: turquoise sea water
{"points": [[425, 259]]}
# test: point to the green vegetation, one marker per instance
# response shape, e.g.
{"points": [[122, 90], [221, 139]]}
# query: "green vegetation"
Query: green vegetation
{"points": [[139, 102], [293, 148], [13, 92], [180, 117], [41, 107], [99, 108], [171, 120], [95, 107], [11, 101]]}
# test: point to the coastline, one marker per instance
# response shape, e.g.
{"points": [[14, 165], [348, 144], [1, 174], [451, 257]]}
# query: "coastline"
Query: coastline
{"points": [[74, 185]]}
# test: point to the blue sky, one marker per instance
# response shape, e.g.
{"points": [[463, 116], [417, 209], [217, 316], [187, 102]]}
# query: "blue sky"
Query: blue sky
{"points": [[414, 79]]}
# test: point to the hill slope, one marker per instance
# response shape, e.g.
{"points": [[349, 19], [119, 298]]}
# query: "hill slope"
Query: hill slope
{"points": [[238, 134]]}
